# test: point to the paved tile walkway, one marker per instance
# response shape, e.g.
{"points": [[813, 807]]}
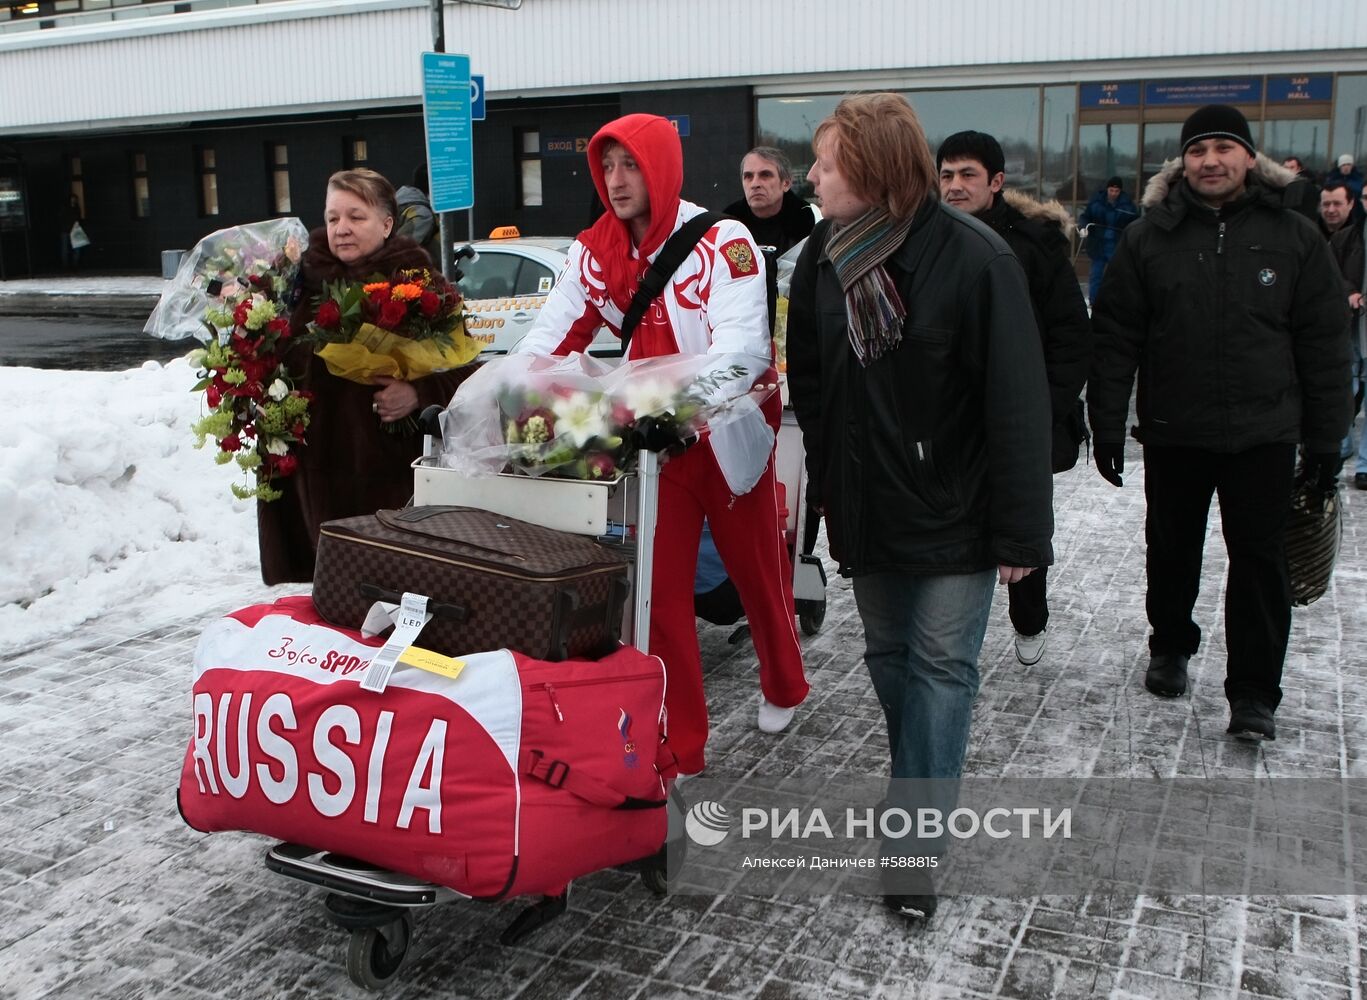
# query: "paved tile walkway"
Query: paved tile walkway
{"points": [[105, 893]]}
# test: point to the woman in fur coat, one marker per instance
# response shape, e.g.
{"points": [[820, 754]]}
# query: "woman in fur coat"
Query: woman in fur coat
{"points": [[350, 464]]}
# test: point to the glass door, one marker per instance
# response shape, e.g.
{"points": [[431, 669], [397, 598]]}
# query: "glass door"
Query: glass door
{"points": [[1106, 151]]}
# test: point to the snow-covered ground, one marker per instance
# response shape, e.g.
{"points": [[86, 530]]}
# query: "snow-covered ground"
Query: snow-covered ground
{"points": [[107, 508]]}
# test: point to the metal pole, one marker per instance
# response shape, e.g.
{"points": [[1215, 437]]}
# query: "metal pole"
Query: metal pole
{"points": [[647, 494], [444, 228]]}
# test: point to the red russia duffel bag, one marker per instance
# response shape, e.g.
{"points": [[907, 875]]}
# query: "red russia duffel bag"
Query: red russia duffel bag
{"points": [[510, 778]]}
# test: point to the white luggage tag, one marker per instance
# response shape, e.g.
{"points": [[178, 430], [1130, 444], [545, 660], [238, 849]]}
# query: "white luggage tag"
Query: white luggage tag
{"points": [[408, 617]]}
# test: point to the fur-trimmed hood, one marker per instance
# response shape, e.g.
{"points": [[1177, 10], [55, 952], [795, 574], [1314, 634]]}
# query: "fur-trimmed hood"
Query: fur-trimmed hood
{"points": [[1043, 212], [1269, 172]]}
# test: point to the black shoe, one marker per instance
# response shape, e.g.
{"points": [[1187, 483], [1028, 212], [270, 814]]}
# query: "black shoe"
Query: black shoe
{"points": [[1167, 675], [1251, 720], [909, 892], [1360, 481], [914, 908]]}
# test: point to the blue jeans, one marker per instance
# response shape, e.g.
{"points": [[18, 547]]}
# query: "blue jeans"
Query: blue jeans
{"points": [[1359, 375], [1094, 279], [922, 637]]}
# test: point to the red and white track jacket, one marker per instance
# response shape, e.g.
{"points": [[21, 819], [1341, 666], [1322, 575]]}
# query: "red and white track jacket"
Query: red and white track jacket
{"points": [[714, 304]]}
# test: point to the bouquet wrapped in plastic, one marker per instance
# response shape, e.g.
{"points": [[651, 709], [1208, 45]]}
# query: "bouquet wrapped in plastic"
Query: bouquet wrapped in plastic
{"points": [[577, 417], [235, 291], [226, 267]]}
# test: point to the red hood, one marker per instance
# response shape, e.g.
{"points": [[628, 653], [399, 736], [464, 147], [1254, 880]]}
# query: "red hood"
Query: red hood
{"points": [[653, 143]]}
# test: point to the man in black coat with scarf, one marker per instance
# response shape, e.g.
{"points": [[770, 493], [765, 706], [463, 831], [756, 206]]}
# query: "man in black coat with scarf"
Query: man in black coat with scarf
{"points": [[1228, 304]]}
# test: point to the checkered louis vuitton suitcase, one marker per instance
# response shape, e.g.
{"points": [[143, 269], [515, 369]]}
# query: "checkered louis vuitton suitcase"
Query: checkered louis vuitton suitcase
{"points": [[492, 582]]}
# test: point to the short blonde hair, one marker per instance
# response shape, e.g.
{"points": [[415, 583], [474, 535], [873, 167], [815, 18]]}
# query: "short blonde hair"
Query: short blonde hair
{"points": [[881, 150], [371, 187]]}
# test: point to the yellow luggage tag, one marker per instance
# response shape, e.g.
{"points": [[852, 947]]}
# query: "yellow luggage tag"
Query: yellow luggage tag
{"points": [[435, 663]]}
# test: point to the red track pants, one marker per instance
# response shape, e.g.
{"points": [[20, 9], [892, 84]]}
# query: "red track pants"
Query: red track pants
{"points": [[749, 537]]}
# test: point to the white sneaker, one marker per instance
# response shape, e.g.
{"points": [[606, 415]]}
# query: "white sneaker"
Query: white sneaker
{"points": [[1029, 648], [773, 719]]}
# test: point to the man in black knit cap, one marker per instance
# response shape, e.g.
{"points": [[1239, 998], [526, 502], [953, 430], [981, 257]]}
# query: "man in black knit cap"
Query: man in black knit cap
{"points": [[1228, 304]]}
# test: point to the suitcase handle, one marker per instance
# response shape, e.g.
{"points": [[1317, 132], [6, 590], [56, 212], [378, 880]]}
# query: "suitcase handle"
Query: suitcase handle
{"points": [[404, 521], [447, 612], [567, 616]]}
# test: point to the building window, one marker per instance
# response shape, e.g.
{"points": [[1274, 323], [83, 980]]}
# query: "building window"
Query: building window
{"points": [[279, 155], [355, 152], [207, 166], [77, 181], [142, 200], [528, 167]]}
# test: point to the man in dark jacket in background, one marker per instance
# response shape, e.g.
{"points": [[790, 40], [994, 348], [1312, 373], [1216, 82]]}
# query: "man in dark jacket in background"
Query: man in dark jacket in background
{"points": [[1302, 194], [972, 171], [1347, 246], [1230, 307], [1336, 207], [918, 381], [1103, 220], [416, 219], [774, 215]]}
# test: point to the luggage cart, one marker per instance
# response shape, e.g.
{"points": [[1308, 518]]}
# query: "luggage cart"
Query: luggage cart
{"points": [[375, 905], [809, 575]]}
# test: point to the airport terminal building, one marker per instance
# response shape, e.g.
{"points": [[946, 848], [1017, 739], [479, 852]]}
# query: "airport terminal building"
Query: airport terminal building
{"points": [[167, 119]]}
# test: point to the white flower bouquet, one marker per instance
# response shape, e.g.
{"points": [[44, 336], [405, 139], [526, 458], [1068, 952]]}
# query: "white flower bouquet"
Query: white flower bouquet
{"points": [[577, 417]]}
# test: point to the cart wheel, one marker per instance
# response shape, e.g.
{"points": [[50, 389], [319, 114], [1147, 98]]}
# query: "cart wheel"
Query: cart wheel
{"points": [[654, 880], [655, 872], [376, 954], [810, 615]]}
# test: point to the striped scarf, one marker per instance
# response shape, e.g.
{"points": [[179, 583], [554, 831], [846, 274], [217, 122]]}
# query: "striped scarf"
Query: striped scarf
{"points": [[873, 308]]}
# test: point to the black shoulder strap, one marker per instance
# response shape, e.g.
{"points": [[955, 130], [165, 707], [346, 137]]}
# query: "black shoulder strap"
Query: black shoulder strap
{"points": [[675, 250]]}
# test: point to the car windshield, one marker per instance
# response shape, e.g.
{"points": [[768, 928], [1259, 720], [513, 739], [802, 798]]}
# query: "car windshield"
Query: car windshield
{"points": [[499, 273]]}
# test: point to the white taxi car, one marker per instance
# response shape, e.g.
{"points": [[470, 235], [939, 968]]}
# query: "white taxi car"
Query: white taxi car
{"points": [[505, 280]]}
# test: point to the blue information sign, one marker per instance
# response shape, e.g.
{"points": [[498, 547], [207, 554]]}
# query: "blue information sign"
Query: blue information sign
{"points": [[680, 123], [446, 119], [1296, 89], [1109, 95], [1218, 90], [477, 97]]}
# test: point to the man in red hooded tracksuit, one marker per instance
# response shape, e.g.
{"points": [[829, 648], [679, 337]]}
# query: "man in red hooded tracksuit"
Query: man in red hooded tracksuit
{"points": [[715, 303]]}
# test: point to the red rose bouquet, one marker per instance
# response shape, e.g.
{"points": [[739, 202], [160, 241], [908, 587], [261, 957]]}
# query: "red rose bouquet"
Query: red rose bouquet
{"points": [[257, 415], [405, 326], [235, 291]]}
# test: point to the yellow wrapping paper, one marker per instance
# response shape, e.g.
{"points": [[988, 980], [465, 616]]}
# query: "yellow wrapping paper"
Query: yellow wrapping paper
{"points": [[374, 351]]}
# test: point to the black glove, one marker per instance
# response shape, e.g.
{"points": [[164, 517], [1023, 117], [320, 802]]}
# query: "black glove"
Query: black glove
{"points": [[1110, 461], [1322, 470], [653, 434]]}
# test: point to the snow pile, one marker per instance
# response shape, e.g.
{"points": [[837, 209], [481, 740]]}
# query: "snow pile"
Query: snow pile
{"points": [[107, 506]]}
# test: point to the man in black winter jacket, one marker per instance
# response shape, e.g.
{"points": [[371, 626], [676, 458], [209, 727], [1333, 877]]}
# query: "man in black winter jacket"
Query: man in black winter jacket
{"points": [[972, 170], [1229, 305], [774, 215]]}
